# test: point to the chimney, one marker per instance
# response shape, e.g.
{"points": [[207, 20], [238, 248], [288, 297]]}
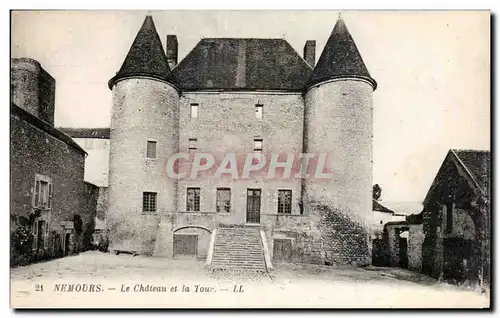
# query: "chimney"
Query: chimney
{"points": [[172, 50], [310, 52]]}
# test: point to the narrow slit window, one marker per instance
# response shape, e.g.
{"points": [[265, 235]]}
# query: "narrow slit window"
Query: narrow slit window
{"points": [[192, 145], [259, 111], [151, 149], [449, 218], [257, 145], [194, 110]]}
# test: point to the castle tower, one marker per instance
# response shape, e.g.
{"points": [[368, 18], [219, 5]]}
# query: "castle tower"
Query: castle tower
{"points": [[33, 88], [339, 123], [144, 134]]}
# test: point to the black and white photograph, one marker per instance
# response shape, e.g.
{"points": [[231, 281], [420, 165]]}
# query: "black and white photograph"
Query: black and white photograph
{"points": [[250, 159]]}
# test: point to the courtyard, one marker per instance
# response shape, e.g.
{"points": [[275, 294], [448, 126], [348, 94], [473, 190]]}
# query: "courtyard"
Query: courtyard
{"points": [[95, 279]]}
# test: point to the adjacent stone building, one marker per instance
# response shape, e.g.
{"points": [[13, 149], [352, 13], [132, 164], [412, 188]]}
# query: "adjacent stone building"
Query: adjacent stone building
{"points": [[231, 95], [48, 195], [95, 141], [457, 219]]}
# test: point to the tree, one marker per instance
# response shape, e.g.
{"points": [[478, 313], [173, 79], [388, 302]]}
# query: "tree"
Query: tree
{"points": [[377, 192]]}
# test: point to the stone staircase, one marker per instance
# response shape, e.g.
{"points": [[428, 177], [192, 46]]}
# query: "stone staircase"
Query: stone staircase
{"points": [[238, 248]]}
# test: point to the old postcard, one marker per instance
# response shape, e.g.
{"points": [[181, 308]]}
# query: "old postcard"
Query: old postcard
{"points": [[250, 159]]}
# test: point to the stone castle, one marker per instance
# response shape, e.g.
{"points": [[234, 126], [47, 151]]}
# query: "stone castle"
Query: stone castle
{"points": [[241, 95]]}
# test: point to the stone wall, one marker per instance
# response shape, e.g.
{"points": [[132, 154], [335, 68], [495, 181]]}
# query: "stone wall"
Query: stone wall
{"points": [[415, 241], [143, 109], [33, 89], [90, 198], [36, 152], [227, 123], [339, 123]]}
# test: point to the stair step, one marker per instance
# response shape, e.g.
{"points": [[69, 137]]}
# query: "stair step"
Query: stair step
{"points": [[238, 248]]}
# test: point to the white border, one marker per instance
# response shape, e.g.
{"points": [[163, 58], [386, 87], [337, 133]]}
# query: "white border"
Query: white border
{"points": [[170, 5]]}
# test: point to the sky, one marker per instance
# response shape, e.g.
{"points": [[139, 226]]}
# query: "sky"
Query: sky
{"points": [[432, 70]]}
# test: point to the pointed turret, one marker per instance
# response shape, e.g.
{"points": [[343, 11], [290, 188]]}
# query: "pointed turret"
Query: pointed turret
{"points": [[145, 57], [340, 58]]}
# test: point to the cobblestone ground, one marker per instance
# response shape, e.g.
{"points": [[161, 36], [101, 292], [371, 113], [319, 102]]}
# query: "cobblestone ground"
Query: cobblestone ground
{"points": [[101, 280]]}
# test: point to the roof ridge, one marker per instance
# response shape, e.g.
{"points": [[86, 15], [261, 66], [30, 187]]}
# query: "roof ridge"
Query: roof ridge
{"points": [[470, 150], [240, 38]]}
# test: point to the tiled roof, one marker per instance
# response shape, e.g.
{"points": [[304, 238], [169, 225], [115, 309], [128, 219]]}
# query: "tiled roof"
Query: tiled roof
{"points": [[97, 133], [340, 58], [44, 126], [234, 64], [146, 56], [478, 164]]}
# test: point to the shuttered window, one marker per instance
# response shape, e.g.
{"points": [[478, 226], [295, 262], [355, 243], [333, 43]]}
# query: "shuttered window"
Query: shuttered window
{"points": [[43, 192]]}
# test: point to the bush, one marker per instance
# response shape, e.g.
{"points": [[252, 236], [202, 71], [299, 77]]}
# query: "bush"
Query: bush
{"points": [[103, 243]]}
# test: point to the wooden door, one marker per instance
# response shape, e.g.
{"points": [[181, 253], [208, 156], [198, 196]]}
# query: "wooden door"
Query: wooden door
{"points": [[253, 205]]}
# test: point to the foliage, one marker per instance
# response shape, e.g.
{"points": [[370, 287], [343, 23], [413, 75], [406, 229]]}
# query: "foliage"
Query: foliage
{"points": [[377, 192], [103, 243], [78, 224], [21, 241], [87, 235]]}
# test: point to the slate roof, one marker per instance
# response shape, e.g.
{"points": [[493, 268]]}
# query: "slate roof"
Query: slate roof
{"points": [[340, 58], [146, 56], [243, 64], [44, 126], [376, 206], [233, 64], [478, 165], [97, 133]]}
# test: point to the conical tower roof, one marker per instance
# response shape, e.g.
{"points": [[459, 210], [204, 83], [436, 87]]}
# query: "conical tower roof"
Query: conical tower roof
{"points": [[340, 58], [145, 57]]}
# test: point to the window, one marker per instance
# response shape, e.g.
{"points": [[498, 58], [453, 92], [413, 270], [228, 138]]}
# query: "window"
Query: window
{"points": [[223, 200], [149, 202], [257, 145], [192, 144], [259, 111], [42, 196], [194, 110], [284, 201], [193, 199], [449, 217], [151, 149]]}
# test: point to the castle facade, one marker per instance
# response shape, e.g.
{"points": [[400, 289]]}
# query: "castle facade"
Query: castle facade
{"points": [[241, 96]]}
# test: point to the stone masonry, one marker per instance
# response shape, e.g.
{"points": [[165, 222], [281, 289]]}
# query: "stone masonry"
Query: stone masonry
{"points": [[319, 108]]}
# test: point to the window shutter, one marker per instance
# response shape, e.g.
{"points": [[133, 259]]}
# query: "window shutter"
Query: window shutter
{"points": [[46, 235], [36, 195], [49, 201]]}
